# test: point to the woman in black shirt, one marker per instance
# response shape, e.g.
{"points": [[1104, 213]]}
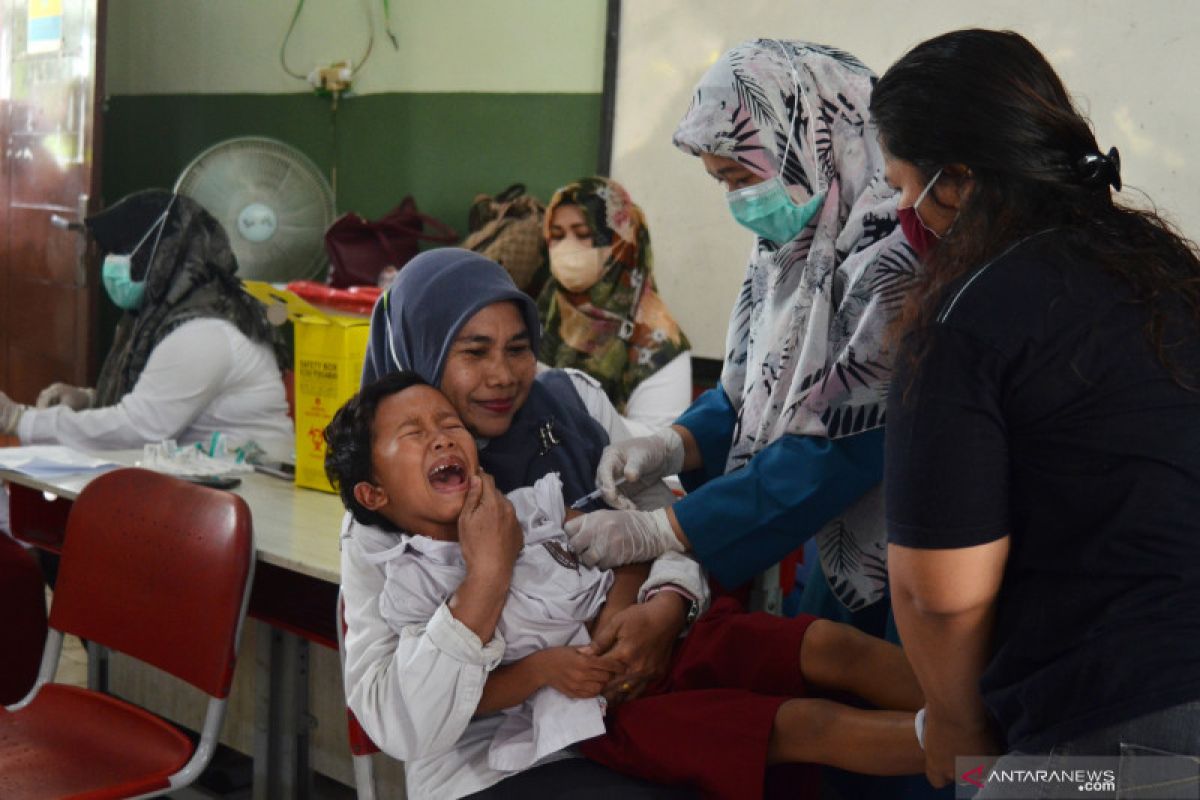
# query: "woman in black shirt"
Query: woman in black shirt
{"points": [[1043, 439]]}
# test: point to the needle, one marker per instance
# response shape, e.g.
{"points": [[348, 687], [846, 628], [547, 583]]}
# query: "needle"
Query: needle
{"points": [[590, 496]]}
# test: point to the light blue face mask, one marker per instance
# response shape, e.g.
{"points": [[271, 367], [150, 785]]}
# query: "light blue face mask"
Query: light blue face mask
{"points": [[123, 290], [767, 208], [116, 272]]}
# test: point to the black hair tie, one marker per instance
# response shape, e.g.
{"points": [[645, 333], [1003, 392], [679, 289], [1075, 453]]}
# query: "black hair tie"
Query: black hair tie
{"points": [[1097, 169]]}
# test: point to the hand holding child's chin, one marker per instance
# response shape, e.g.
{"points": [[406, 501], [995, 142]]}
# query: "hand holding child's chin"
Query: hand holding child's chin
{"points": [[488, 530]]}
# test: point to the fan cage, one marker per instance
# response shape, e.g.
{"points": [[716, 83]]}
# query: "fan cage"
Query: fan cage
{"points": [[233, 174]]}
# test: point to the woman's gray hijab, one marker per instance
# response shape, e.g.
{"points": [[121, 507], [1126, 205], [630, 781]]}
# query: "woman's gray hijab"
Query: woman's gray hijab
{"points": [[807, 350], [189, 274], [416, 320]]}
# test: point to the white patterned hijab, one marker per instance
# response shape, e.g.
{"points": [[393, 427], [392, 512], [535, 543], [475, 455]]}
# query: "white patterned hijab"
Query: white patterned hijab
{"points": [[806, 351]]}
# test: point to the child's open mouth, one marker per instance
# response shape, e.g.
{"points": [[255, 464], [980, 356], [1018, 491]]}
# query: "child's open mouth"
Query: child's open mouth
{"points": [[448, 475]]}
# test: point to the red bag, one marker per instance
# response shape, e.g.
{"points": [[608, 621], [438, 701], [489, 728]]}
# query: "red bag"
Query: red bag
{"points": [[360, 249]]}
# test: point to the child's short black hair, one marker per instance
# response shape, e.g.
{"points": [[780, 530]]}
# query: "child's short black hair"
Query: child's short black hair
{"points": [[348, 443]]}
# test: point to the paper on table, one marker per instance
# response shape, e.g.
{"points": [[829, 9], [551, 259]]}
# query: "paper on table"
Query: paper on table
{"points": [[48, 461]]}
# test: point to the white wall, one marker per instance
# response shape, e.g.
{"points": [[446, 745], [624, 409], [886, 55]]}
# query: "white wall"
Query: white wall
{"points": [[1131, 65], [225, 46]]}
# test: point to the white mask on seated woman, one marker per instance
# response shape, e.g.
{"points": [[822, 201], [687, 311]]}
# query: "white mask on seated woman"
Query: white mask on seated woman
{"points": [[576, 266], [117, 270]]}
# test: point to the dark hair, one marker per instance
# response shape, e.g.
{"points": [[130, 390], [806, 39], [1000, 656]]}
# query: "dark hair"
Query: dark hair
{"points": [[990, 101], [348, 443]]}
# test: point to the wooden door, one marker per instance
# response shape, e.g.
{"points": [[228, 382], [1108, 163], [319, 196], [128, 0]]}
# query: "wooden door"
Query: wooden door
{"points": [[51, 57]]}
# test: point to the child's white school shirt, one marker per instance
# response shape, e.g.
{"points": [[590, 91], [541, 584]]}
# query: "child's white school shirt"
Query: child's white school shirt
{"points": [[414, 674]]}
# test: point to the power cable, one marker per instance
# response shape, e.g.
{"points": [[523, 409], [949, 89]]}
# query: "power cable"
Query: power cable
{"points": [[361, 61]]}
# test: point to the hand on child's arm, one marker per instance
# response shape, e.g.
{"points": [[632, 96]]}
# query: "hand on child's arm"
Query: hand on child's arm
{"points": [[627, 580], [568, 670], [642, 637], [576, 673]]}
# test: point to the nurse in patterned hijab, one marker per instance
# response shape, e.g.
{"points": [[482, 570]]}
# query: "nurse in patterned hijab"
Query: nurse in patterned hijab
{"points": [[600, 311], [790, 445]]}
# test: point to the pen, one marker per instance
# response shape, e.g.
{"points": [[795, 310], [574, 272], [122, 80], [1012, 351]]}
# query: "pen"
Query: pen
{"points": [[590, 496]]}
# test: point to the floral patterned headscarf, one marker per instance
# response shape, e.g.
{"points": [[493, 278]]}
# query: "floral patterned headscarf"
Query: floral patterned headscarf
{"points": [[806, 351], [619, 331]]}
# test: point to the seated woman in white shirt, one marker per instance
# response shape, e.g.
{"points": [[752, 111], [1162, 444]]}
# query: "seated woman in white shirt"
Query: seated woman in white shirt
{"points": [[486, 614], [192, 356], [600, 311]]}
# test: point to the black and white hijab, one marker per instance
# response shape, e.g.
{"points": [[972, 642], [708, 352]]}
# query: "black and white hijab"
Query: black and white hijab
{"points": [[806, 351], [190, 273]]}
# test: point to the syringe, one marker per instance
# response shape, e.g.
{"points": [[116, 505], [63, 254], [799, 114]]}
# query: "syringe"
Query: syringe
{"points": [[590, 496]]}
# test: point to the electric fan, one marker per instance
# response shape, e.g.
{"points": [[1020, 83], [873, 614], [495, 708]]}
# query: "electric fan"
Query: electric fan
{"points": [[272, 201]]}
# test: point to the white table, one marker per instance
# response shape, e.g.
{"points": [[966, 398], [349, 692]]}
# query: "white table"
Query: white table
{"points": [[294, 529]]}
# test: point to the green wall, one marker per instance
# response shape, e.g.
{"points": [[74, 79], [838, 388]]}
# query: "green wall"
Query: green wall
{"points": [[232, 46], [442, 148], [477, 96]]}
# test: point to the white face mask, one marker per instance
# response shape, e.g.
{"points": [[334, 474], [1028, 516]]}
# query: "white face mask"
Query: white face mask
{"points": [[576, 266]]}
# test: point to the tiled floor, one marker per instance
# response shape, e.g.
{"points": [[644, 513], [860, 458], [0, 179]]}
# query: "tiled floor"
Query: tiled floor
{"points": [[72, 664], [72, 669]]}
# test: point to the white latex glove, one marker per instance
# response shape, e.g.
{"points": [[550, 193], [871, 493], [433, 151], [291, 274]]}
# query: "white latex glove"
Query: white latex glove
{"points": [[641, 462], [611, 538], [10, 414], [76, 398]]}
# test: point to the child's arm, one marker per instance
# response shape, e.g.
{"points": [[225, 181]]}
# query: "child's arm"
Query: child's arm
{"points": [[510, 685], [571, 672], [627, 580]]}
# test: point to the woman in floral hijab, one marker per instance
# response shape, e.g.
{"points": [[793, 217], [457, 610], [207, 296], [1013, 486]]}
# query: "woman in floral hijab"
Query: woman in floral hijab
{"points": [[600, 311], [790, 445]]}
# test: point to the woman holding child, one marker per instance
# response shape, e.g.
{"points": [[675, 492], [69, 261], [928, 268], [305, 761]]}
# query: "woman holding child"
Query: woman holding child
{"points": [[431, 587], [457, 320]]}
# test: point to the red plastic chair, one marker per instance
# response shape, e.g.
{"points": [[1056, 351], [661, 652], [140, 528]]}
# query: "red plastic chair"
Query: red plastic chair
{"points": [[36, 519], [23, 598], [361, 746], [159, 569]]}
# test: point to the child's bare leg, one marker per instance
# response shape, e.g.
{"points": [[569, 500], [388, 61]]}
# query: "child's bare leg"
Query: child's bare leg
{"points": [[838, 657], [824, 732]]}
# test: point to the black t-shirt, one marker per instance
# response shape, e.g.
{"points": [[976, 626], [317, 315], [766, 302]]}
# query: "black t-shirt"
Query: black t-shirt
{"points": [[1040, 411]]}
